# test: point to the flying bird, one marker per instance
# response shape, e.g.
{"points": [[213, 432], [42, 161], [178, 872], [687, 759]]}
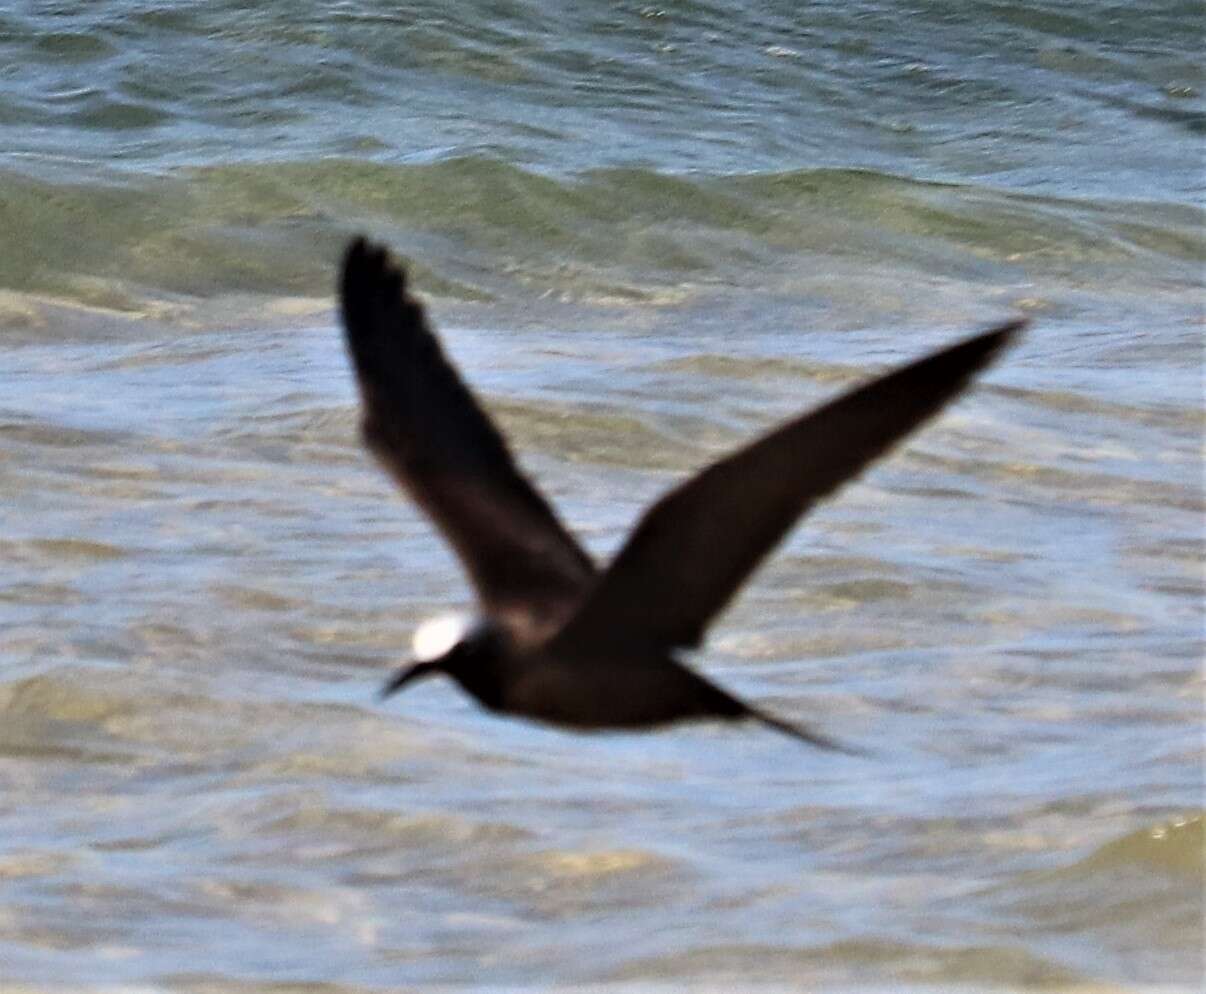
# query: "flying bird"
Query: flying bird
{"points": [[560, 640]]}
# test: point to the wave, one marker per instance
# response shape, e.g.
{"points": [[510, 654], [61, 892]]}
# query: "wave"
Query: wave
{"points": [[478, 229], [1142, 893]]}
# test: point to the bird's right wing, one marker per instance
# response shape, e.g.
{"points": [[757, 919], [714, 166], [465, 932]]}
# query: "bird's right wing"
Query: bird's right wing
{"points": [[695, 547], [425, 426]]}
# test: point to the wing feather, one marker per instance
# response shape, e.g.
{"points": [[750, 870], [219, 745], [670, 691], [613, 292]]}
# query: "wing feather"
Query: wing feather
{"points": [[694, 548], [429, 431]]}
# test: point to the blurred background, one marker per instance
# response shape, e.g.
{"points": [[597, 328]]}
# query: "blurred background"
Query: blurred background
{"points": [[647, 233]]}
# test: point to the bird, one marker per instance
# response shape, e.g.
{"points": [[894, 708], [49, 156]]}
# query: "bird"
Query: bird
{"points": [[558, 639]]}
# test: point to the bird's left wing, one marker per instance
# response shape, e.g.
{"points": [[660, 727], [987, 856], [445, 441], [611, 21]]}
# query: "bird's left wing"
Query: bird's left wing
{"points": [[428, 430]]}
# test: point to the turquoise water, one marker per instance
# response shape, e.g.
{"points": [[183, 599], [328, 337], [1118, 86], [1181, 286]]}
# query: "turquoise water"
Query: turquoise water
{"points": [[647, 232]]}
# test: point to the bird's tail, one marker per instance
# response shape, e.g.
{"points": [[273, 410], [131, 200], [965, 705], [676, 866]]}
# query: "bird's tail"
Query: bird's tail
{"points": [[802, 734]]}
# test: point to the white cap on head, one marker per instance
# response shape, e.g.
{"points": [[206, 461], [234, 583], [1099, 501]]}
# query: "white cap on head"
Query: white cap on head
{"points": [[436, 636]]}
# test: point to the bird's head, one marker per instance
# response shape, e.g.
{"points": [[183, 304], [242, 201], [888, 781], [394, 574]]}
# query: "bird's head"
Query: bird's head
{"points": [[451, 644]]}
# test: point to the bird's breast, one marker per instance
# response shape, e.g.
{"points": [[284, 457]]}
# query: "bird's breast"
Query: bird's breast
{"points": [[622, 692]]}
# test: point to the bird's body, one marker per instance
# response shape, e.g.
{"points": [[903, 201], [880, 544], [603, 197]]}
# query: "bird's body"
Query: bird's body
{"points": [[561, 641], [620, 690], [630, 688]]}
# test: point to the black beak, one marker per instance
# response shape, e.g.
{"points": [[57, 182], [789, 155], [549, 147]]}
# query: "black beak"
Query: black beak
{"points": [[405, 676]]}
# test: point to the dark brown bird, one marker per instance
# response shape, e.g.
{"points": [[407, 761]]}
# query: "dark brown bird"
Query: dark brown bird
{"points": [[560, 641]]}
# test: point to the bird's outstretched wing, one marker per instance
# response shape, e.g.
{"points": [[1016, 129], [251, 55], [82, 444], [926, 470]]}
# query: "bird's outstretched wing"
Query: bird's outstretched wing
{"points": [[695, 547], [425, 426]]}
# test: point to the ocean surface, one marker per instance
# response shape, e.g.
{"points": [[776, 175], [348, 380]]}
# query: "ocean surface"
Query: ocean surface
{"points": [[647, 232]]}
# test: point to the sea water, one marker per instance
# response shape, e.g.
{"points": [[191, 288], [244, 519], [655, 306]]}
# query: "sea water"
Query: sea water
{"points": [[646, 233]]}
